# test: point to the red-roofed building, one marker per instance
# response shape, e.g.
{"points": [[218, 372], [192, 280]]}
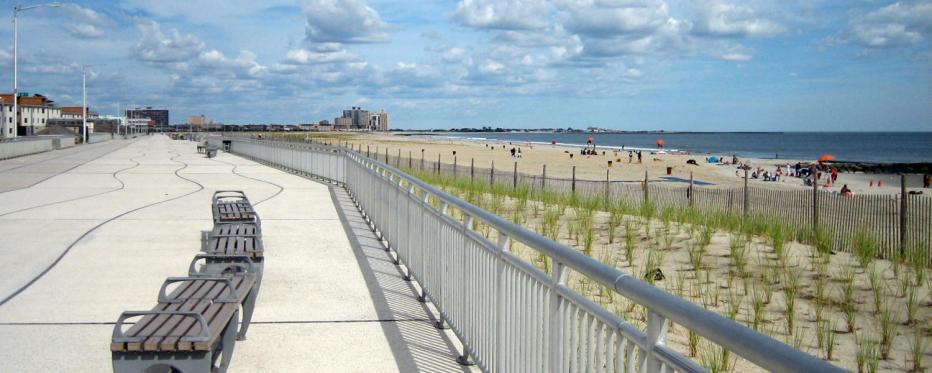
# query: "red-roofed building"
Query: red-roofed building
{"points": [[34, 113]]}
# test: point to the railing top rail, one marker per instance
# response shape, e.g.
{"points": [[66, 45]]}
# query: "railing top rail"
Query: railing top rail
{"points": [[757, 348], [749, 344]]}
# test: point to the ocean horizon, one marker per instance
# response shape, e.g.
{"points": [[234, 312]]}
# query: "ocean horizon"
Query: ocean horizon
{"points": [[869, 147]]}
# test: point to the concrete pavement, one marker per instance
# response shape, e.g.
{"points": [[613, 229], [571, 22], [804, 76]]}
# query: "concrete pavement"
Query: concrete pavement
{"points": [[98, 233]]}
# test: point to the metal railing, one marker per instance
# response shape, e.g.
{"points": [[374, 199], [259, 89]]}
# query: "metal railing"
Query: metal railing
{"points": [[509, 314]]}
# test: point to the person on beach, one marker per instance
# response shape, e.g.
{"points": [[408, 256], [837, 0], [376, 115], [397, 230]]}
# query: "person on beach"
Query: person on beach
{"points": [[512, 152], [639, 156], [845, 191], [630, 157], [927, 181], [519, 152]]}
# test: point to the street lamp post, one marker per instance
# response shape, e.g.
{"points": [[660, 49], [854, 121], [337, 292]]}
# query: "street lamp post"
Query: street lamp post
{"points": [[16, 10], [84, 104]]}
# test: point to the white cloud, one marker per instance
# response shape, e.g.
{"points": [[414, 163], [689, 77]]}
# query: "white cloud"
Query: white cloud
{"points": [[343, 21], [606, 18], [320, 53], [85, 23], [159, 47], [722, 18], [735, 56], [503, 14], [898, 24]]}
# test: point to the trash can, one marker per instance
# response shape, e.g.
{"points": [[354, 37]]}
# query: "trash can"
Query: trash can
{"points": [[669, 170]]}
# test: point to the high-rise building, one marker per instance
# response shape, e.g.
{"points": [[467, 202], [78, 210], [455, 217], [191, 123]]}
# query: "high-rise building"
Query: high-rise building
{"points": [[159, 116]]}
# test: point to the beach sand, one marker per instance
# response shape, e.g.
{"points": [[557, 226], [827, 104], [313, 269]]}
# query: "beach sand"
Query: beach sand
{"points": [[560, 165]]}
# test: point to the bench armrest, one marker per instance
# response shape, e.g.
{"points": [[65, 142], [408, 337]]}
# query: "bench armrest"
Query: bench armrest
{"points": [[233, 296], [242, 262], [119, 337]]}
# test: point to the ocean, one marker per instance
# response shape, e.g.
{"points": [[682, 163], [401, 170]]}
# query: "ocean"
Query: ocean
{"points": [[876, 147]]}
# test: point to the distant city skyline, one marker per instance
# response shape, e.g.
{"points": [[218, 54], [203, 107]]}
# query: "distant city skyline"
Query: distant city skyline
{"points": [[705, 65]]}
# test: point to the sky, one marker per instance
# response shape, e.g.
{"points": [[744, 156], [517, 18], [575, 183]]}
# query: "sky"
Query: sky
{"points": [[699, 65]]}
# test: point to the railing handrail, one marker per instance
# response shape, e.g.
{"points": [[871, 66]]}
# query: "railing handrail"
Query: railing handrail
{"points": [[753, 346]]}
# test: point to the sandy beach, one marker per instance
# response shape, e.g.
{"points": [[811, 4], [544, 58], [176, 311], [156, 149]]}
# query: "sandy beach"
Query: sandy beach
{"points": [[593, 167]]}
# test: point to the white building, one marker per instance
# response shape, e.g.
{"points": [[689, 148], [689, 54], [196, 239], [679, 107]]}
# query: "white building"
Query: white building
{"points": [[34, 113]]}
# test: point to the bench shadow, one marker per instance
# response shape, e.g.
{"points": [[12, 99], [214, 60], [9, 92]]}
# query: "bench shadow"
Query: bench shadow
{"points": [[416, 344]]}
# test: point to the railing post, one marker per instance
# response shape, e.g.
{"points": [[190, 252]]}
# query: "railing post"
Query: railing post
{"points": [[656, 336], [501, 346], [557, 327], [438, 298]]}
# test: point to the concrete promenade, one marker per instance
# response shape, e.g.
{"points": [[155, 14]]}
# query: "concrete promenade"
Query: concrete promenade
{"points": [[92, 231]]}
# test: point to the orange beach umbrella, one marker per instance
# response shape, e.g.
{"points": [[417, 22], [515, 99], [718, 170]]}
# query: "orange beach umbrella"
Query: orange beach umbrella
{"points": [[826, 158]]}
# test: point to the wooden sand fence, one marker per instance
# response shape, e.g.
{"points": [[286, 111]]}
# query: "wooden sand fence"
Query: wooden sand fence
{"points": [[897, 224]]}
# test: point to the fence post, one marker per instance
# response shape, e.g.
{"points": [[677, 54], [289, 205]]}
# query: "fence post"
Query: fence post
{"points": [[902, 214], [410, 161], [689, 196], [492, 174], [514, 184], [422, 159], [815, 198], [454, 166], [608, 186], [398, 161], [438, 163], [744, 204], [543, 178], [472, 169], [646, 193], [573, 185], [367, 150], [386, 155]]}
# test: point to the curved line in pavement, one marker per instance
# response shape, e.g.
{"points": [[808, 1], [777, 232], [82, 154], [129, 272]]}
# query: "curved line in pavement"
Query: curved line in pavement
{"points": [[48, 159], [89, 231], [64, 171], [114, 175], [280, 188]]}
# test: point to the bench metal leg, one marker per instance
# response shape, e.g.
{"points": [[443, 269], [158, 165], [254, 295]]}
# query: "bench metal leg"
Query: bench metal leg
{"points": [[228, 340], [248, 306]]}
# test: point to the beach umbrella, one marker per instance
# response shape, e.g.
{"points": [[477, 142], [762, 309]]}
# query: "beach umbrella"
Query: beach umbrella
{"points": [[826, 158], [660, 143]]}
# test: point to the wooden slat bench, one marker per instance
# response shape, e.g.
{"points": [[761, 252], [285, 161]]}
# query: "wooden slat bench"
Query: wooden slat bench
{"points": [[234, 239], [232, 206], [189, 330], [207, 265]]}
